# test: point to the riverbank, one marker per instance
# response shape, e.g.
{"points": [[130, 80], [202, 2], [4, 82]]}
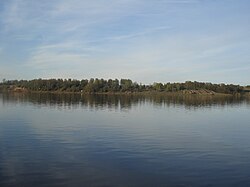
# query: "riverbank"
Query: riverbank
{"points": [[201, 92], [122, 86]]}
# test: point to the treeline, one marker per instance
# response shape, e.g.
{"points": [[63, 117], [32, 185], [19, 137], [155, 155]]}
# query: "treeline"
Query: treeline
{"points": [[114, 85]]}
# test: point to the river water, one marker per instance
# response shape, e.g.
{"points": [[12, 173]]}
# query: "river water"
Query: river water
{"points": [[124, 141]]}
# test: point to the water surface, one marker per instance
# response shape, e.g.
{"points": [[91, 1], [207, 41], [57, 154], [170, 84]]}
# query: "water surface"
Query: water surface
{"points": [[84, 140]]}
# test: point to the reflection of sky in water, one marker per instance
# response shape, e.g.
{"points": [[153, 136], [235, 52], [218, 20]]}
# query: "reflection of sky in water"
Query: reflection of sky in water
{"points": [[148, 143]]}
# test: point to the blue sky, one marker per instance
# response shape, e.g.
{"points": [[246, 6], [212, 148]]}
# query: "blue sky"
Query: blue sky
{"points": [[144, 40]]}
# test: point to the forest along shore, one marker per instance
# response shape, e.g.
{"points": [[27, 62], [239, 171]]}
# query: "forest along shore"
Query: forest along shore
{"points": [[123, 86]]}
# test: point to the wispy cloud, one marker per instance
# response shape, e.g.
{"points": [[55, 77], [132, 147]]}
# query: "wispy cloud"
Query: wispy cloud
{"points": [[54, 57], [137, 34]]}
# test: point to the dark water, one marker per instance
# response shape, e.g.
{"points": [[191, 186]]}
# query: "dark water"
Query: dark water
{"points": [[73, 140]]}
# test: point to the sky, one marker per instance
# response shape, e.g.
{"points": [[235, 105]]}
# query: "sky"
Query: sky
{"points": [[143, 40]]}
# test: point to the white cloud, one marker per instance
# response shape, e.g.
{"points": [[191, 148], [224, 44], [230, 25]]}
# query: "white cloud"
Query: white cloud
{"points": [[51, 60], [150, 59]]}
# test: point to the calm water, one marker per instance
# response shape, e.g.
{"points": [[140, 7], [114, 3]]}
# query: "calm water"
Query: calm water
{"points": [[74, 140]]}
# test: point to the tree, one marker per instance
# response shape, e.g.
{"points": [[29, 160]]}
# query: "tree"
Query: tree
{"points": [[126, 84]]}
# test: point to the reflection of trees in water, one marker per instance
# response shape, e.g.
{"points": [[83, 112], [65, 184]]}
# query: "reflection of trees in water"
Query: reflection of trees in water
{"points": [[197, 101], [102, 101]]}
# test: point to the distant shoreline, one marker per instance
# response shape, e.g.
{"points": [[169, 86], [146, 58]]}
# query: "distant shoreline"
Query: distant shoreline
{"points": [[143, 93], [121, 87]]}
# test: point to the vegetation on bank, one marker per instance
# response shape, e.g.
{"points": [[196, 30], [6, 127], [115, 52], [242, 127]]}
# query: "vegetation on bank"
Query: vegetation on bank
{"points": [[116, 86]]}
